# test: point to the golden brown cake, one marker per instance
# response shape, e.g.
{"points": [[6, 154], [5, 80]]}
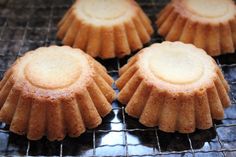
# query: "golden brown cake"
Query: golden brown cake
{"points": [[105, 28], [208, 24], [175, 86], [55, 91]]}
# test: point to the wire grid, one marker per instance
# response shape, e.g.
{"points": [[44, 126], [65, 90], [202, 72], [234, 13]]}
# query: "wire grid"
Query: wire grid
{"points": [[26, 25]]}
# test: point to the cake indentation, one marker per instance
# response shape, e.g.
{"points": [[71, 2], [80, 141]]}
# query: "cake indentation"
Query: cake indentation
{"points": [[105, 9], [209, 8], [51, 72], [177, 65]]}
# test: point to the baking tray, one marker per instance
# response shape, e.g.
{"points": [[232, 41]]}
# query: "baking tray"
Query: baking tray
{"points": [[28, 24]]}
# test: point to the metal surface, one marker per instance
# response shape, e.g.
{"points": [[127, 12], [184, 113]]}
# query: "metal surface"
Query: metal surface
{"points": [[28, 24]]}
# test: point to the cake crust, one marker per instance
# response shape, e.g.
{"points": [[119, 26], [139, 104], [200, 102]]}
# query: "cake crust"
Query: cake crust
{"points": [[183, 101], [113, 29], [208, 25], [53, 91]]}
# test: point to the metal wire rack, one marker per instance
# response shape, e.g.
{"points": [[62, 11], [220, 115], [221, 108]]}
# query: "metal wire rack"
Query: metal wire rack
{"points": [[26, 25]]}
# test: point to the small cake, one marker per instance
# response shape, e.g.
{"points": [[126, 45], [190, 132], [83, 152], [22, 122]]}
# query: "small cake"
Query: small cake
{"points": [[105, 28], [175, 86], [55, 91], [210, 25]]}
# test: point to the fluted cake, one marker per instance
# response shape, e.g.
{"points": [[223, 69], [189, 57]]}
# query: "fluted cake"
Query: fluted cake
{"points": [[210, 25], [105, 28], [55, 91], [175, 86]]}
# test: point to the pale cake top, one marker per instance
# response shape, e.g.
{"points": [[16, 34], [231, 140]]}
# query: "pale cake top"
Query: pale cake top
{"points": [[207, 10], [104, 12], [176, 66], [104, 9], [53, 71]]}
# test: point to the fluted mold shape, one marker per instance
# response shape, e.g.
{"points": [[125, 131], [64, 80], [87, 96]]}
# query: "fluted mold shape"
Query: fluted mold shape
{"points": [[166, 101], [55, 91], [210, 25], [111, 29]]}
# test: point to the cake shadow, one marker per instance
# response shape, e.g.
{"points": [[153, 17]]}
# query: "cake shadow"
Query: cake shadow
{"points": [[73, 146], [83, 145], [166, 142]]}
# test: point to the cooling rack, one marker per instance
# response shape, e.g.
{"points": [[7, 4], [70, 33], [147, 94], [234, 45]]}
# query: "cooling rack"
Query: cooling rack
{"points": [[28, 24]]}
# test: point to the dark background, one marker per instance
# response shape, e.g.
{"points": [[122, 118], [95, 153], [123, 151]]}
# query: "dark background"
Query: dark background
{"points": [[28, 24]]}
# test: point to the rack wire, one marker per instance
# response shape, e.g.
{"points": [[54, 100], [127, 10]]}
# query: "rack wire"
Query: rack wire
{"points": [[26, 25]]}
